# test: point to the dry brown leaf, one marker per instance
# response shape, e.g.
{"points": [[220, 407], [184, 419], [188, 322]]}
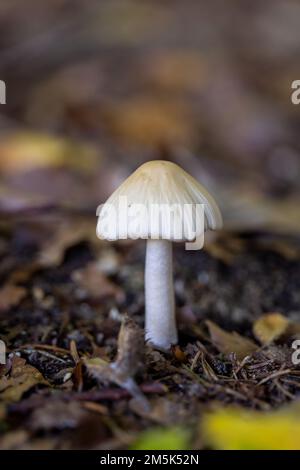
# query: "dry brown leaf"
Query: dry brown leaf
{"points": [[127, 363], [22, 378], [151, 122], [292, 330], [10, 296], [129, 356], [228, 343], [96, 285], [178, 70], [67, 234], [270, 327], [220, 252]]}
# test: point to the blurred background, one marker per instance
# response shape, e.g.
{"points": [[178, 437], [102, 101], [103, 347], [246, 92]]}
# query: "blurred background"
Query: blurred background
{"points": [[96, 88]]}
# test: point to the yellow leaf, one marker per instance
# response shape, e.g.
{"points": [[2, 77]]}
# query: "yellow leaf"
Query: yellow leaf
{"points": [[236, 429], [24, 151], [270, 327]]}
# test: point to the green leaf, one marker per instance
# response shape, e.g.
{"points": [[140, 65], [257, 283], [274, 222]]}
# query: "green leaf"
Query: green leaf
{"points": [[174, 438]]}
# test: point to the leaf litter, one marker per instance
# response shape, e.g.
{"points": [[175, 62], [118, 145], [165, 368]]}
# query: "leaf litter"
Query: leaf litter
{"points": [[69, 351]]}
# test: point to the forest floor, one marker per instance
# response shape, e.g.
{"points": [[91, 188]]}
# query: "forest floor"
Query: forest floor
{"points": [[73, 305]]}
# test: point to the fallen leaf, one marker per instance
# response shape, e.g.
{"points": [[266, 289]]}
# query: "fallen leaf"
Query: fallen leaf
{"points": [[23, 151], [270, 327], [67, 234], [96, 285], [293, 330], [10, 296], [127, 363], [130, 347], [178, 353], [235, 429], [220, 252], [177, 70], [21, 379], [150, 122], [228, 343]]}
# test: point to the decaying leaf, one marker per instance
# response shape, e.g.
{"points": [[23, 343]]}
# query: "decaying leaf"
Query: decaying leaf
{"points": [[293, 330], [127, 363], [150, 122], [270, 327], [23, 151], [21, 379], [177, 70], [130, 347], [218, 251], [10, 296], [228, 343], [236, 429], [67, 234], [96, 285]]}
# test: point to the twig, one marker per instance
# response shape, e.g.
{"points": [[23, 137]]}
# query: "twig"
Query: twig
{"points": [[195, 360], [45, 353], [283, 390], [241, 365], [44, 346], [279, 373]]}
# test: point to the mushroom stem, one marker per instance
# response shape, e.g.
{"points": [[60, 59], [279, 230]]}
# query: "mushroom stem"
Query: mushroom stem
{"points": [[160, 325]]}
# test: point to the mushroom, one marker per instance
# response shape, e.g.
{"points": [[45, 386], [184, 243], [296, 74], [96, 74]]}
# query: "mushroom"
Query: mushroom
{"points": [[150, 204]]}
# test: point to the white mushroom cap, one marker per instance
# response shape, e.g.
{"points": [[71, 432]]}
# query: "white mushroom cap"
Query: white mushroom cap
{"points": [[155, 184]]}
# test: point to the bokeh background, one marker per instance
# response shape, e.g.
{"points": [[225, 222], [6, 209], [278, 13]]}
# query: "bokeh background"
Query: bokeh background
{"points": [[96, 88]]}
